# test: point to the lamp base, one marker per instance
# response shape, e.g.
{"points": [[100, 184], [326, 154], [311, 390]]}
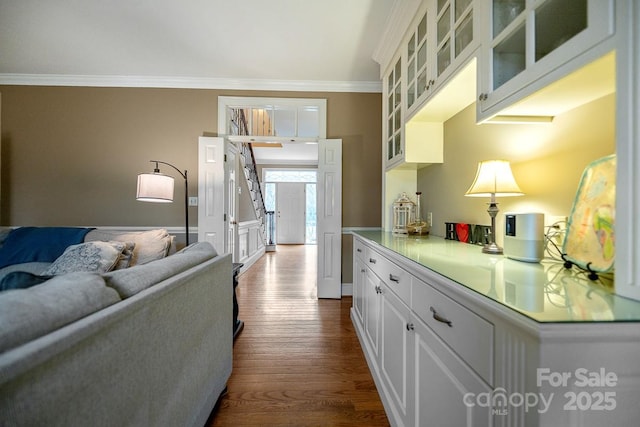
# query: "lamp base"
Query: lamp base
{"points": [[492, 248]]}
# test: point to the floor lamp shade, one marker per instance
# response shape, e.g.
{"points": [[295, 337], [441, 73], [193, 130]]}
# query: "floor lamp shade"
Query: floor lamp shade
{"points": [[155, 187]]}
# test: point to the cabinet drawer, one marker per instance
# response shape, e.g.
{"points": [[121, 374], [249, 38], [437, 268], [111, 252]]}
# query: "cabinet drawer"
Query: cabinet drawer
{"points": [[398, 280], [359, 249], [468, 334]]}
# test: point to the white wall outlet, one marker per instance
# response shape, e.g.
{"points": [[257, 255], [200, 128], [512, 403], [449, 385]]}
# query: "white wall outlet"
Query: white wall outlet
{"points": [[556, 228], [193, 201], [429, 219]]}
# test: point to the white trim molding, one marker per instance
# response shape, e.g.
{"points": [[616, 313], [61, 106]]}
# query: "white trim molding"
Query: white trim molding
{"points": [[190, 83]]}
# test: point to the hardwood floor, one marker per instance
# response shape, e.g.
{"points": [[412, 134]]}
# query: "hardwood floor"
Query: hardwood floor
{"points": [[298, 361]]}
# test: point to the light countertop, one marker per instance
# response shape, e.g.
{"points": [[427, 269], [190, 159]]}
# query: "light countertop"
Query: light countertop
{"points": [[544, 292]]}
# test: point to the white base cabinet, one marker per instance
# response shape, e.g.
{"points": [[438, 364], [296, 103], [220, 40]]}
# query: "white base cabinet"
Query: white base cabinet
{"points": [[443, 355], [444, 384]]}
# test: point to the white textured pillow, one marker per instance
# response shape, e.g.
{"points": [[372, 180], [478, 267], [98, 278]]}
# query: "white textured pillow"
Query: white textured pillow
{"points": [[98, 257], [149, 245]]}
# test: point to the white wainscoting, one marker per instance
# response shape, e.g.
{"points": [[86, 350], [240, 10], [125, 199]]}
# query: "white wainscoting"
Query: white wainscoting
{"points": [[250, 245]]}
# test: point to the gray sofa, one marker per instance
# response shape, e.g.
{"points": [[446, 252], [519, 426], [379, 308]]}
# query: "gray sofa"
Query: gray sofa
{"points": [[147, 345]]}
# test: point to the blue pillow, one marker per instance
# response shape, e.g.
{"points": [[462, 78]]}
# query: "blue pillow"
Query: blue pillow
{"points": [[21, 280], [41, 244]]}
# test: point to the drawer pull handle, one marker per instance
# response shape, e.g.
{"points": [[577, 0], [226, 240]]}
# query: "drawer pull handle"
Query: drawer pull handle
{"points": [[394, 278], [372, 261], [410, 327], [440, 318]]}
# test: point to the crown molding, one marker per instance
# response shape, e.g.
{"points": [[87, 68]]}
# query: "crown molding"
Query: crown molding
{"points": [[189, 83], [401, 15]]}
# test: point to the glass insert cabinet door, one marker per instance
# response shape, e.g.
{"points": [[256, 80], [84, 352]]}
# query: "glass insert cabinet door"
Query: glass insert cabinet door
{"points": [[417, 63], [554, 22], [454, 31], [394, 114]]}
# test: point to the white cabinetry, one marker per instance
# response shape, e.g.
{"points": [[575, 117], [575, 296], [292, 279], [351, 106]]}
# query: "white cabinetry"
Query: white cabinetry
{"points": [[396, 366], [394, 115], [444, 380], [456, 38], [442, 354], [531, 44], [359, 278], [371, 295], [422, 370]]}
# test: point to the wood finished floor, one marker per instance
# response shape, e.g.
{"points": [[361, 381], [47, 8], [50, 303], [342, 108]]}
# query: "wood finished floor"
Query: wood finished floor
{"points": [[298, 361]]}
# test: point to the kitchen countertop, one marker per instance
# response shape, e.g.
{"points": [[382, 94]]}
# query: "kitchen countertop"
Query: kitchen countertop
{"points": [[544, 292]]}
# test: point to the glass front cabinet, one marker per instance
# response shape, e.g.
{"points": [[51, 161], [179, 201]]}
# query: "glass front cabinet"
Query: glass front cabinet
{"points": [[529, 39], [440, 39], [394, 116]]}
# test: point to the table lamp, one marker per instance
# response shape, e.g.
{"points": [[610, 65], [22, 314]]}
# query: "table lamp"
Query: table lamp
{"points": [[493, 179]]}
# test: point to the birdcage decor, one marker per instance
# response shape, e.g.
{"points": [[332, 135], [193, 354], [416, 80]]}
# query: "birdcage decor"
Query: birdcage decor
{"points": [[403, 209]]}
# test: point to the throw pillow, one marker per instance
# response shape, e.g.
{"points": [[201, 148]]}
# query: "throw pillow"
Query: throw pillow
{"points": [[150, 245], [126, 256], [98, 257]]}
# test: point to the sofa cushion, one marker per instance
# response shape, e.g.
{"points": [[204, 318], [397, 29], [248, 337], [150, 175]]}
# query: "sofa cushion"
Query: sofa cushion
{"points": [[130, 281], [98, 257], [43, 244], [26, 314], [149, 245]]}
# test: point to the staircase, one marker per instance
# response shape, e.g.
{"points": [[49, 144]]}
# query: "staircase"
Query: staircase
{"points": [[248, 162]]}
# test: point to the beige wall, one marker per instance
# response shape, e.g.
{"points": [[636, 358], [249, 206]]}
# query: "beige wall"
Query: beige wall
{"points": [[547, 162], [71, 155]]}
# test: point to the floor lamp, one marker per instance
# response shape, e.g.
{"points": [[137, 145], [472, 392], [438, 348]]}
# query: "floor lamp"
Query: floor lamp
{"points": [[158, 188], [493, 179]]}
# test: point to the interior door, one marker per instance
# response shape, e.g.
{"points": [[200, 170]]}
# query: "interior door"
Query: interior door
{"points": [[329, 218], [290, 212], [232, 200], [211, 189]]}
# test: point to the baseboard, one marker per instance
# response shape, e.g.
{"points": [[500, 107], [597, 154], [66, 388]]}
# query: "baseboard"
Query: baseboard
{"points": [[250, 260], [347, 289]]}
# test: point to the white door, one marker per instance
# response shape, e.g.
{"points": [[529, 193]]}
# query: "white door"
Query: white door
{"points": [[329, 218], [211, 188], [231, 201], [290, 212]]}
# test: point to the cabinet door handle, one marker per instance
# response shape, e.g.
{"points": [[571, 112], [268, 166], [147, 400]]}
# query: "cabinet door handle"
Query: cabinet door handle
{"points": [[394, 278], [359, 250], [378, 290], [483, 97], [363, 271], [372, 261], [410, 327], [440, 318]]}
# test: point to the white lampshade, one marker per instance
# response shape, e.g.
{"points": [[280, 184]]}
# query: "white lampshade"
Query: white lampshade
{"points": [[155, 187], [494, 177]]}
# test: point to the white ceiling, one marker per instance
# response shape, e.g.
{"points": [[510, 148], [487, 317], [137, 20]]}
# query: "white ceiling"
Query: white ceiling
{"points": [[299, 153], [305, 44], [309, 45]]}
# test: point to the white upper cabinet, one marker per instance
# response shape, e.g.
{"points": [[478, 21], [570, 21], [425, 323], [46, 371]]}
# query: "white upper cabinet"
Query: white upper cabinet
{"points": [[529, 44], [419, 68], [442, 39], [394, 115], [455, 34]]}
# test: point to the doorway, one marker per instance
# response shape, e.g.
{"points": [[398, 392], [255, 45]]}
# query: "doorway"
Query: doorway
{"points": [[287, 131], [291, 194]]}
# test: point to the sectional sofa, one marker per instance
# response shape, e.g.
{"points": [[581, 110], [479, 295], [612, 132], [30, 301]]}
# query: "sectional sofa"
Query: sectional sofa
{"points": [[147, 343]]}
